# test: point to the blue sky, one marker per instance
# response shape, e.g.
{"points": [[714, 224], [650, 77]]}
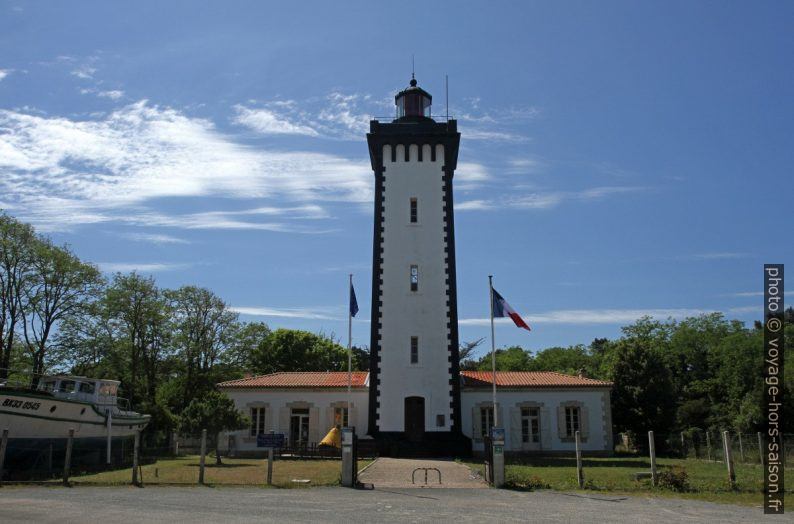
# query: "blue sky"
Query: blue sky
{"points": [[617, 158]]}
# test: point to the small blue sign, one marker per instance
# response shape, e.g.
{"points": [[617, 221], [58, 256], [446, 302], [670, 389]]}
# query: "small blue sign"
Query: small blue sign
{"points": [[270, 440]]}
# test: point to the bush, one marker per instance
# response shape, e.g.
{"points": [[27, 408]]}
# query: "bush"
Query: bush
{"points": [[674, 479], [529, 484]]}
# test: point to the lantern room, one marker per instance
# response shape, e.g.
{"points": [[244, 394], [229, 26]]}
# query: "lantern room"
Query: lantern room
{"points": [[413, 102]]}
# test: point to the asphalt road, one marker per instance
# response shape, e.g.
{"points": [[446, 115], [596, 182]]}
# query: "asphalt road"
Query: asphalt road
{"points": [[228, 505]]}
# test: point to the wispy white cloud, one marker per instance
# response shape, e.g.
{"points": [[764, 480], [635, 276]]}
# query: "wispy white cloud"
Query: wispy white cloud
{"points": [[544, 200], [151, 267], [473, 133], [225, 220], [604, 316], [523, 165], [323, 313], [4, 73], [85, 72], [58, 172], [155, 238], [113, 94], [343, 111], [268, 122]]}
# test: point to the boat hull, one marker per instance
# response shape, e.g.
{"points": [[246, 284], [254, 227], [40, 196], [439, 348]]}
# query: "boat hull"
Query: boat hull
{"points": [[30, 416]]}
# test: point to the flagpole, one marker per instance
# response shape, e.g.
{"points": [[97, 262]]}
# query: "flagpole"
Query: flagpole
{"points": [[493, 355], [349, 351]]}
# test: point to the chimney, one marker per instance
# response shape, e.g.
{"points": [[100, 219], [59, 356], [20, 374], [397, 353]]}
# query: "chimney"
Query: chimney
{"points": [[582, 373]]}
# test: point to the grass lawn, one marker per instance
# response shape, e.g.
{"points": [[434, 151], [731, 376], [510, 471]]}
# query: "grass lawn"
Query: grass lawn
{"points": [[234, 471], [707, 480]]}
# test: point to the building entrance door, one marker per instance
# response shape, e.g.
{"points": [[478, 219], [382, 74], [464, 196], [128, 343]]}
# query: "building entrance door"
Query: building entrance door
{"points": [[299, 427], [414, 418]]}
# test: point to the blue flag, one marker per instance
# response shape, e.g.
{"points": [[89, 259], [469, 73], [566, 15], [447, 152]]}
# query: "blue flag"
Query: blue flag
{"points": [[353, 301]]}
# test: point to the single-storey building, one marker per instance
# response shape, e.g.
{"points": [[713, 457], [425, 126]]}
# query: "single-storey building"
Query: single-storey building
{"points": [[540, 411]]}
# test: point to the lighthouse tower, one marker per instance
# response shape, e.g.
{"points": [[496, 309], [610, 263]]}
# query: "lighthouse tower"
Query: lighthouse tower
{"points": [[414, 373]]}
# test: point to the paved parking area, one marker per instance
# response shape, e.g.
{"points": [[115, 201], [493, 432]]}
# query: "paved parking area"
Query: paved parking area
{"points": [[231, 505], [399, 473]]}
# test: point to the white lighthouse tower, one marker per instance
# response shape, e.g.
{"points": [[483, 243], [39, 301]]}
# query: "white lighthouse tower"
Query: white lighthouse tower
{"points": [[414, 374]]}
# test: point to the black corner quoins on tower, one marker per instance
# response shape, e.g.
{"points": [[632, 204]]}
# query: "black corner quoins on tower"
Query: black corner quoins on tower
{"points": [[408, 131]]}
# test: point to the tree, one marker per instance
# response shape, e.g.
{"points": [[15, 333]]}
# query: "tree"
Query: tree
{"points": [[244, 341], [294, 350], [466, 351], [562, 360], [641, 396], [60, 286], [215, 412], [360, 358], [513, 358], [137, 316], [203, 329], [16, 256]]}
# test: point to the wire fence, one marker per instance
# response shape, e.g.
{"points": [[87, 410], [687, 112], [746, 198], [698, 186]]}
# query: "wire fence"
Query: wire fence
{"points": [[745, 448], [188, 459], [692, 461]]}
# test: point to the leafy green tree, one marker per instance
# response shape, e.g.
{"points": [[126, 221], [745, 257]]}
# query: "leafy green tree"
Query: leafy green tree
{"points": [[246, 338], [215, 412], [16, 257], [203, 328], [294, 350], [60, 286], [512, 358], [562, 360], [138, 316], [641, 396], [360, 358]]}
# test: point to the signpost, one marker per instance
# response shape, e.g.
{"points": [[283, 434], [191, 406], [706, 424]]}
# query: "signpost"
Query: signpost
{"points": [[270, 440], [498, 459], [348, 462]]}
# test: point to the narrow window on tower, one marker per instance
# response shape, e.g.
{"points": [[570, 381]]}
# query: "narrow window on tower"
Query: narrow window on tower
{"points": [[414, 211], [414, 278], [414, 350]]}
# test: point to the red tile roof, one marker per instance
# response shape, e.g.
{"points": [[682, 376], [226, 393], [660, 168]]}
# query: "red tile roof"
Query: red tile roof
{"points": [[471, 379], [542, 379], [299, 379]]}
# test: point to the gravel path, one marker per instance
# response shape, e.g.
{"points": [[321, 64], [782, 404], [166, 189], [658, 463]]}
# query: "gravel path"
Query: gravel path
{"points": [[397, 473], [198, 505]]}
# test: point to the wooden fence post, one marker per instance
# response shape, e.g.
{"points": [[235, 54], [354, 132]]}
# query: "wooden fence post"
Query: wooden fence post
{"points": [[67, 460], [760, 448], [652, 450], [135, 480], [579, 471], [783, 448], [203, 455], [726, 437], [683, 445], [741, 448], [708, 445], [3, 444], [269, 466]]}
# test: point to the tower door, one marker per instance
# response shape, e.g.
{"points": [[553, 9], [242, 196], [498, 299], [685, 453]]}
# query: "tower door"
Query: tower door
{"points": [[414, 418]]}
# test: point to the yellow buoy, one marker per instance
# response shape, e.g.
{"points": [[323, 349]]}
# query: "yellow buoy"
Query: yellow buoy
{"points": [[333, 438]]}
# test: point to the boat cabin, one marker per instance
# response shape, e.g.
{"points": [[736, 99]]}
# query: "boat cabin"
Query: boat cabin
{"points": [[100, 392]]}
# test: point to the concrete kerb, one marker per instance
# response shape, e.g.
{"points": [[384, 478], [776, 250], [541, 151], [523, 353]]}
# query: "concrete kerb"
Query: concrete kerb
{"points": [[362, 470]]}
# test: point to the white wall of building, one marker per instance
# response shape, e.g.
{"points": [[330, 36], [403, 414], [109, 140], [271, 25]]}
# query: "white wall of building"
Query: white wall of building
{"points": [[594, 405], [422, 313], [279, 402]]}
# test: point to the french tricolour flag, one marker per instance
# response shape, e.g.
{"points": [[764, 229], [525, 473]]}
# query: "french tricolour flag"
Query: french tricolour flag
{"points": [[502, 309]]}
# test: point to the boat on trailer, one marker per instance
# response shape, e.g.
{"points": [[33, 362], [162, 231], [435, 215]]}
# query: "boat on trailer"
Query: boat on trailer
{"points": [[39, 414]]}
